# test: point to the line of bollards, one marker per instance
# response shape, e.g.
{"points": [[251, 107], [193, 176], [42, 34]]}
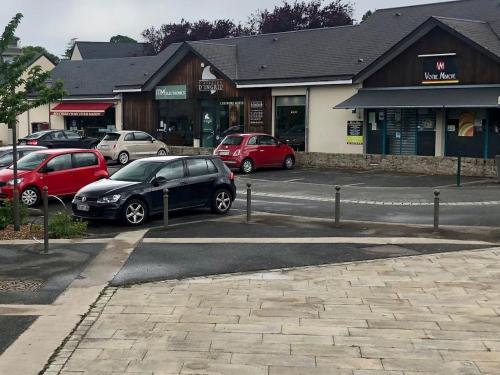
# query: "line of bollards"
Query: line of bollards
{"points": [[337, 206]]}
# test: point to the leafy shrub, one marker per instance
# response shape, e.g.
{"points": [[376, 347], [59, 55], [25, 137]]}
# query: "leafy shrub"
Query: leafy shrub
{"points": [[7, 214], [62, 225]]}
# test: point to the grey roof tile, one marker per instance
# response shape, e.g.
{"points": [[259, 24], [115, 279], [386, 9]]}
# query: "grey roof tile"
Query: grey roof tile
{"points": [[108, 50]]}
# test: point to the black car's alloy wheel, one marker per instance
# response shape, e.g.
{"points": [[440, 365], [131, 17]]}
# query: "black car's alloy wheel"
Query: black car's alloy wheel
{"points": [[222, 201], [30, 196], [135, 212]]}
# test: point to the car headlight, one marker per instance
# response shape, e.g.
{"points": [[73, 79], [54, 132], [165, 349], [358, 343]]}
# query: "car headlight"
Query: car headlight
{"points": [[109, 199], [11, 182]]}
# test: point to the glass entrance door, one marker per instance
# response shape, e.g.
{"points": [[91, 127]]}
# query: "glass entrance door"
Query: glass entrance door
{"points": [[208, 123]]}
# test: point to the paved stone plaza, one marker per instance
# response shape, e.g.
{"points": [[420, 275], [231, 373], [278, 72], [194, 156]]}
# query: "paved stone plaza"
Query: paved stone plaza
{"points": [[431, 314]]}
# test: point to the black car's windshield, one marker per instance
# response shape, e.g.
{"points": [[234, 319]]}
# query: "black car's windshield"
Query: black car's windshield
{"points": [[137, 171], [30, 162], [232, 141]]}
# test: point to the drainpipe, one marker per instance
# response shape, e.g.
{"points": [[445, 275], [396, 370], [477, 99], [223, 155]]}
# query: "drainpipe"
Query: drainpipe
{"points": [[307, 120], [121, 112]]}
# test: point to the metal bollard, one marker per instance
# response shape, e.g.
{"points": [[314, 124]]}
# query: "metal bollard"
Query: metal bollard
{"points": [[337, 205], [249, 203], [165, 208], [459, 171], [436, 210], [45, 198]]}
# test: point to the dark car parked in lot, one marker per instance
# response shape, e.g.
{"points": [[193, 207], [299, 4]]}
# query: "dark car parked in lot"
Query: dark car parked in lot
{"points": [[6, 154], [136, 191], [59, 139]]}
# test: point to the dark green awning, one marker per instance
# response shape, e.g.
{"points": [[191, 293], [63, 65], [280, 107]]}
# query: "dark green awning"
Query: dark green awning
{"points": [[425, 97]]}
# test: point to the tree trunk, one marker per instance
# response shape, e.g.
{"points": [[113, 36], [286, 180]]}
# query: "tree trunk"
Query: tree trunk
{"points": [[15, 196]]}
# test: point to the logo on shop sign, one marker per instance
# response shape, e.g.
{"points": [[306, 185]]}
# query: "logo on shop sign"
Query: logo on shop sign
{"points": [[440, 65], [209, 82]]}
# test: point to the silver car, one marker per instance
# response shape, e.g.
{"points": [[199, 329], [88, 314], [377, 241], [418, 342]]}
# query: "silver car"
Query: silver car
{"points": [[123, 146]]}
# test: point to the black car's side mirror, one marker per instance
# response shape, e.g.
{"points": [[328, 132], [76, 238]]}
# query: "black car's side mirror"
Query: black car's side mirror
{"points": [[159, 180]]}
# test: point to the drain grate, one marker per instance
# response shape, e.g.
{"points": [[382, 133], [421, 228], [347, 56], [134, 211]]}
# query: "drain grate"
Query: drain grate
{"points": [[20, 285]]}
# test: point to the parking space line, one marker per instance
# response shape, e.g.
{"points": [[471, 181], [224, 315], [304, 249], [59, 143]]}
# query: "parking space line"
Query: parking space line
{"points": [[466, 183], [271, 202]]}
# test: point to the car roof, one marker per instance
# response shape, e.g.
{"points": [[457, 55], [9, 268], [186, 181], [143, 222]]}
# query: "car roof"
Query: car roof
{"points": [[247, 134], [20, 147], [170, 158], [58, 151]]}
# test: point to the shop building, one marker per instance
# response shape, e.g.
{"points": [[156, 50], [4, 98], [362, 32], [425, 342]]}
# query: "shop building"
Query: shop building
{"points": [[378, 87], [437, 93]]}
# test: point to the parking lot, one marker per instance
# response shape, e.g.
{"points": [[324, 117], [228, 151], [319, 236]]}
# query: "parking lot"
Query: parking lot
{"points": [[370, 196]]}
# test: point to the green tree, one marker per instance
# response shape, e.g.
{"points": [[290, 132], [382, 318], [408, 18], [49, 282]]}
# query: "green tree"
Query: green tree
{"points": [[69, 48], [21, 90], [41, 50], [122, 39], [366, 15]]}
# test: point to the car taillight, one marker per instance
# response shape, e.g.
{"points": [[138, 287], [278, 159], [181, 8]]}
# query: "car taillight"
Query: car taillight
{"points": [[32, 143]]}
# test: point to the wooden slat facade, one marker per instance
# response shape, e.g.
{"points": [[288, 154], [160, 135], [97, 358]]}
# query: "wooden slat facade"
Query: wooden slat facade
{"points": [[474, 67], [141, 109]]}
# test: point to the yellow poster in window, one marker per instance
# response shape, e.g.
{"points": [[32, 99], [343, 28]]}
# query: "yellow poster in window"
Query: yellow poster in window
{"points": [[466, 125]]}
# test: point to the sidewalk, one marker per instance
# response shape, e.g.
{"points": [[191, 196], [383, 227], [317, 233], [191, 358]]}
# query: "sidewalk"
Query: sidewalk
{"points": [[429, 314]]}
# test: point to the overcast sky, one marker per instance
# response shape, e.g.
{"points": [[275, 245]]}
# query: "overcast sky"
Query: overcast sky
{"points": [[52, 23]]}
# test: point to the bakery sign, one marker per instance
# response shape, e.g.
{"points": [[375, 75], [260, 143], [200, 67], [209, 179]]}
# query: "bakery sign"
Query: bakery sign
{"points": [[440, 69], [209, 82]]}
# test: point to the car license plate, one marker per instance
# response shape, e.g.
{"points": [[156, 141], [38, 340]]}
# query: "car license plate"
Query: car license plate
{"points": [[224, 152], [83, 207]]}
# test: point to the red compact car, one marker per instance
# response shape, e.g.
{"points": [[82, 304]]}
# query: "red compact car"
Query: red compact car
{"points": [[251, 151], [63, 171]]}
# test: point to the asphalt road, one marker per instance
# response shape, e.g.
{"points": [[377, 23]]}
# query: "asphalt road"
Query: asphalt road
{"points": [[384, 197]]}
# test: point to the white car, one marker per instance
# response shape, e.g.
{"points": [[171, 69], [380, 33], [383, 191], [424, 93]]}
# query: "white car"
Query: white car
{"points": [[123, 146]]}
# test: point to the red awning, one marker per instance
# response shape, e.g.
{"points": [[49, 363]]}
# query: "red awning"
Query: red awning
{"points": [[80, 109]]}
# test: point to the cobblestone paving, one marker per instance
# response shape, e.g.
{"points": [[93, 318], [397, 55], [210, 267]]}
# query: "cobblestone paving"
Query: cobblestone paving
{"points": [[436, 314]]}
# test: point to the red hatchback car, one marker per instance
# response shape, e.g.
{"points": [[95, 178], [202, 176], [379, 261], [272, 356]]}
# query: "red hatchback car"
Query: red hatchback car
{"points": [[63, 171], [251, 151]]}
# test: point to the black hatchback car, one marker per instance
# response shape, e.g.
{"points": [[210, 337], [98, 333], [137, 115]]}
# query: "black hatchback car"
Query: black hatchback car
{"points": [[59, 139], [135, 192]]}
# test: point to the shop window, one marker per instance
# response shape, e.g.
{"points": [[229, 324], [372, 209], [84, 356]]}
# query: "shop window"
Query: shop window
{"points": [[231, 117], [92, 126], [176, 121], [465, 132], [494, 133], [291, 121]]}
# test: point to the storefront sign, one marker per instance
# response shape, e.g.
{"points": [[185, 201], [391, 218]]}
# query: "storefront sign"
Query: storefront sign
{"points": [[440, 70], [211, 85], [355, 132], [76, 114], [256, 112], [177, 92]]}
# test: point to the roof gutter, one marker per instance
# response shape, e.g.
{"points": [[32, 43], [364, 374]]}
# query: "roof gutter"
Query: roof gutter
{"points": [[120, 91], [295, 84]]}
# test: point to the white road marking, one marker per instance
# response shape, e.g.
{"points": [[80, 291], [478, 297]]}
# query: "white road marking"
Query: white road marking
{"points": [[372, 202], [294, 180], [358, 184], [466, 183], [271, 202], [315, 240]]}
